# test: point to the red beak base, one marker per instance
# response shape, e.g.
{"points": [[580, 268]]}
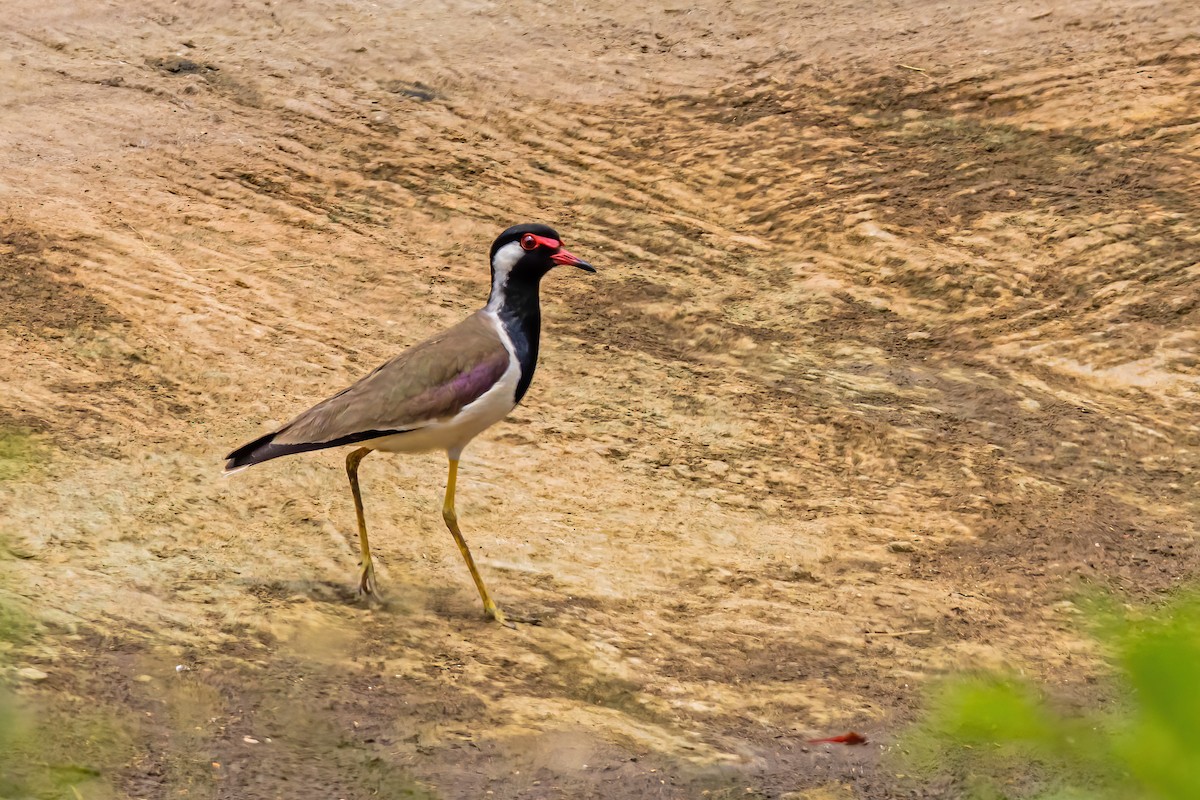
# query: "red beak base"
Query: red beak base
{"points": [[569, 259]]}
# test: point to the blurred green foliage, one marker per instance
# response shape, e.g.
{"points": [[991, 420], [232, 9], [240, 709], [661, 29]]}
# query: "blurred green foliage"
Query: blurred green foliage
{"points": [[1005, 738]]}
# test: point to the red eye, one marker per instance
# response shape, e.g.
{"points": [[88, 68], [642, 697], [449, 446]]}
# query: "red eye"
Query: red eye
{"points": [[529, 242]]}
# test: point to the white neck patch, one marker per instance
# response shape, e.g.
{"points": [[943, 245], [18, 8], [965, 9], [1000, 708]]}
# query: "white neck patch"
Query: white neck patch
{"points": [[506, 258]]}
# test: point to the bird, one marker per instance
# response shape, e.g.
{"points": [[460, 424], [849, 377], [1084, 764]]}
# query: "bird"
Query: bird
{"points": [[440, 393]]}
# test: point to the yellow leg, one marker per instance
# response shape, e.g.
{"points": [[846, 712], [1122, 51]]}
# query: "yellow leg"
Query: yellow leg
{"points": [[489, 606], [366, 581]]}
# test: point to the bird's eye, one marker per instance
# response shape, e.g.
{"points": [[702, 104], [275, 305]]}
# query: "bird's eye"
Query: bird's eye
{"points": [[529, 242]]}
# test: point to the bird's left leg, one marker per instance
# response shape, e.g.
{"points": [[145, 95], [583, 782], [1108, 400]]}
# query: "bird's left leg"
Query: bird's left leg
{"points": [[451, 518], [366, 581]]}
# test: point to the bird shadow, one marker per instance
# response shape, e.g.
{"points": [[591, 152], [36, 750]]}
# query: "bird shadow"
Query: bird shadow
{"points": [[407, 600], [447, 603], [319, 591]]}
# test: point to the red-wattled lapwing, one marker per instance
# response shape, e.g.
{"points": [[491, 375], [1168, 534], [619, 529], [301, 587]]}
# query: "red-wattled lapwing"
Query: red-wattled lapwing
{"points": [[441, 393]]}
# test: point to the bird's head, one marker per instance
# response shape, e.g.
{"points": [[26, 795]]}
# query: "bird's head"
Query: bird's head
{"points": [[525, 253]]}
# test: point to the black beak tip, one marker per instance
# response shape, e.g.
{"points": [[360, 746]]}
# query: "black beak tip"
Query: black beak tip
{"points": [[586, 267]]}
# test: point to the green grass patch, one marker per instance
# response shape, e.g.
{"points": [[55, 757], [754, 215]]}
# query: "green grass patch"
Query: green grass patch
{"points": [[54, 751], [65, 748], [19, 451]]}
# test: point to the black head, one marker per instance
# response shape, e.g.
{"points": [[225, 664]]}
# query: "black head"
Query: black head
{"points": [[525, 253]]}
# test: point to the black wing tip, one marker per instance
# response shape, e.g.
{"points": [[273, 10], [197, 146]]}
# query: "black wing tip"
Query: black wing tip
{"points": [[264, 448]]}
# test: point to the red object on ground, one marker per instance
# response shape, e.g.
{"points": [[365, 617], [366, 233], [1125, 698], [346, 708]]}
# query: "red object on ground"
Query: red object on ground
{"points": [[845, 738]]}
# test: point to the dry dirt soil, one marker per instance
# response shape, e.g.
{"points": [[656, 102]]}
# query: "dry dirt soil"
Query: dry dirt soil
{"points": [[893, 349]]}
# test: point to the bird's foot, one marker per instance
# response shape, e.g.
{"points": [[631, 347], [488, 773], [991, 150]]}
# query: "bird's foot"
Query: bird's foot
{"points": [[508, 620], [366, 581]]}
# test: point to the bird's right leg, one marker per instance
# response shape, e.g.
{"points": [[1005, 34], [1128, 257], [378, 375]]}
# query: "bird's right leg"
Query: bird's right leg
{"points": [[451, 518], [366, 582]]}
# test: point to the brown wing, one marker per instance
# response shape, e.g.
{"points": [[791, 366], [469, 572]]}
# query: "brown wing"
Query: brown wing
{"points": [[430, 381]]}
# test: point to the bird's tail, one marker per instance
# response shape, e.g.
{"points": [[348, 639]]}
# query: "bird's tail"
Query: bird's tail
{"points": [[263, 449]]}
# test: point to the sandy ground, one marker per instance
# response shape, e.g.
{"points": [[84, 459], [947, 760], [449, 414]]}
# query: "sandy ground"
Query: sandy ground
{"points": [[893, 348]]}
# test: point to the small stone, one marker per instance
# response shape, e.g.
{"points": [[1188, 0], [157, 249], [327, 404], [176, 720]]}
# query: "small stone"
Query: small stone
{"points": [[31, 674], [249, 740], [143, 678], [901, 547]]}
